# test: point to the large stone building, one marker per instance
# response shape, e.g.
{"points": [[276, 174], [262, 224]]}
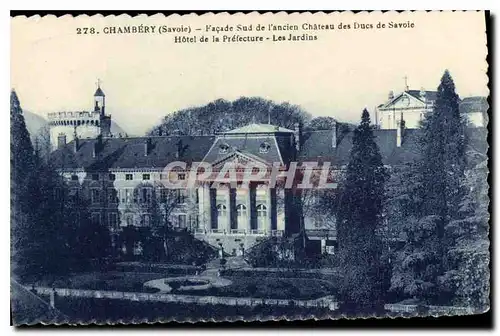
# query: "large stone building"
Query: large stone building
{"points": [[123, 177], [412, 105]]}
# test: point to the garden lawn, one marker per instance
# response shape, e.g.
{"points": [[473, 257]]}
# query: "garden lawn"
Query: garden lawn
{"points": [[271, 288], [113, 281], [263, 287]]}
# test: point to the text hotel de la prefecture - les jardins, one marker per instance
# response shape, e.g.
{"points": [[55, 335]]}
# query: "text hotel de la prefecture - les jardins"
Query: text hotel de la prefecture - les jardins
{"points": [[243, 33]]}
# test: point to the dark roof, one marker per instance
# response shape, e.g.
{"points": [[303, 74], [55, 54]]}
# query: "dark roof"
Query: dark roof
{"points": [[118, 153], [474, 104], [99, 93], [429, 95], [317, 146]]}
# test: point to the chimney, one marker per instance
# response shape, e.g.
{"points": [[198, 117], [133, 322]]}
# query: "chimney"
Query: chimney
{"points": [[334, 134], [61, 140], [76, 144], [147, 146], [178, 152], [297, 134], [422, 94], [97, 146], [391, 95]]}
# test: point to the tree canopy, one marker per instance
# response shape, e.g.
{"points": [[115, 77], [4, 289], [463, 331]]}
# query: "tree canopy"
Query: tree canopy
{"points": [[359, 216]]}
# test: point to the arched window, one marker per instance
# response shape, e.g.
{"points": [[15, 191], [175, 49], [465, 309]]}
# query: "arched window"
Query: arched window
{"points": [[261, 210], [241, 210], [221, 210]]}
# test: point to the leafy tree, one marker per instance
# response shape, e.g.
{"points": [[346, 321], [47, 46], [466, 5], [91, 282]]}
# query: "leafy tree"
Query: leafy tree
{"points": [[45, 221], [468, 255], [43, 242], [359, 217], [221, 115], [430, 192], [327, 123], [414, 263]]}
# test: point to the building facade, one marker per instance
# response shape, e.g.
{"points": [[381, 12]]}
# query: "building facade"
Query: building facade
{"points": [[412, 105], [123, 178]]}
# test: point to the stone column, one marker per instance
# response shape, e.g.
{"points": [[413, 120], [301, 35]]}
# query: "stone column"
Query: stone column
{"points": [[233, 220], [274, 209], [252, 195], [212, 209], [227, 225], [280, 208], [248, 204], [204, 206], [269, 204]]}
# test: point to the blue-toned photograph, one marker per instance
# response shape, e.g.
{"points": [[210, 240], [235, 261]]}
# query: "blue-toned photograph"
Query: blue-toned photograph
{"points": [[248, 167]]}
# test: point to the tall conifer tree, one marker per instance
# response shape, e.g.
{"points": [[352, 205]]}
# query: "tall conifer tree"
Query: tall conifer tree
{"points": [[21, 159], [359, 218], [21, 171]]}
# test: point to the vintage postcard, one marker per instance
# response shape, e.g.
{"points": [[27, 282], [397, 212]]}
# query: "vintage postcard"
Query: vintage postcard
{"points": [[255, 167]]}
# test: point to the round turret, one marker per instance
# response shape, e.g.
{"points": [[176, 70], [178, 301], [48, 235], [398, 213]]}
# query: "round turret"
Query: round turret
{"points": [[82, 124]]}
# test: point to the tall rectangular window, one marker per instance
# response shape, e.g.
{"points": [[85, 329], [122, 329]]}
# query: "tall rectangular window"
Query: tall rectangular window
{"points": [[128, 196], [113, 221], [181, 196], [112, 195], [129, 219], [146, 177], [164, 194], [129, 177], [146, 195], [95, 195], [182, 221], [136, 196], [95, 217], [146, 220], [73, 194], [193, 221]]}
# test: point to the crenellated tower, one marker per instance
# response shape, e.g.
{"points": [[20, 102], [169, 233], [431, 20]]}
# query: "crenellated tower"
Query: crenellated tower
{"points": [[65, 126]]}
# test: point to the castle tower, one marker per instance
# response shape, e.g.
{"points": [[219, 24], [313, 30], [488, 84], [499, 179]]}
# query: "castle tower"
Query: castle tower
{"points": [[99, 99], [81, 124]]}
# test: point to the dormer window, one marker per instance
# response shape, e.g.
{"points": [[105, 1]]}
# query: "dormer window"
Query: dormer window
{"points": [[223, 148], [264, 147]]}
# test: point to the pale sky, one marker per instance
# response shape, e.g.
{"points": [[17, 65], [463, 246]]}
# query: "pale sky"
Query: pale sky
{"points": [[146, 76]]}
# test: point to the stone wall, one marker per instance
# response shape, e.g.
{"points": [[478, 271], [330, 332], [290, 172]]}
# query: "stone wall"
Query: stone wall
{"points": [[324, 302]]}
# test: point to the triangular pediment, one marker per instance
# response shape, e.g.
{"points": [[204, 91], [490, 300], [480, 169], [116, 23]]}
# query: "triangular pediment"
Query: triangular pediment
{"points": [[240, 160], [403, 100]]}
